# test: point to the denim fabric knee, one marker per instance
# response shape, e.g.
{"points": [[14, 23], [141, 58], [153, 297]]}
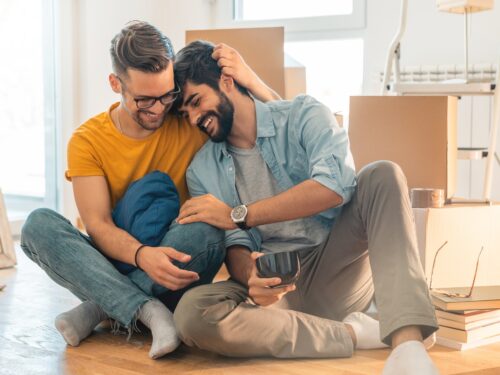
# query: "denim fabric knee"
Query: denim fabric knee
{"points": [[71, 260]]}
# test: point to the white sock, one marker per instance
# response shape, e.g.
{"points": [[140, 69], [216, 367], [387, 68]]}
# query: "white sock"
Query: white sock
{"points": [[77, 324], [409, 358], [430, 341], [160, 321], [366, 329]]}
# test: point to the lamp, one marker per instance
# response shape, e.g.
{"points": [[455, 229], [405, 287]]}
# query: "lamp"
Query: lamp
{"points": [[464, 7]]}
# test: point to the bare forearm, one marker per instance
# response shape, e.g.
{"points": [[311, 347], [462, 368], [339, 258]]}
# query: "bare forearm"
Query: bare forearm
{"points": [[263, 92], [239, 263], [305, 199], [114, 242]]}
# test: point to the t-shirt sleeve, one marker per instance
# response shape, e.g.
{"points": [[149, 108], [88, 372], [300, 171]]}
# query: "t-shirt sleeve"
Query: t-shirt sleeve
{"points": [[82, 158]]}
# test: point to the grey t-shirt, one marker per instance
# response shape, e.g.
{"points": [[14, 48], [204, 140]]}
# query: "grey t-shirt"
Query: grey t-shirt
{"points": [[254, 182]]}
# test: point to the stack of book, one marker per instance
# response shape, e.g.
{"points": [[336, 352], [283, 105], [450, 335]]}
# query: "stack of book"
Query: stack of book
{"points": [[467, 322]]}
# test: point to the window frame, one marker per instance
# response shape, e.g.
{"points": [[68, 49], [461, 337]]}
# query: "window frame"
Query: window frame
{"points": [[22, 204], [341, 27], [226, 11]]}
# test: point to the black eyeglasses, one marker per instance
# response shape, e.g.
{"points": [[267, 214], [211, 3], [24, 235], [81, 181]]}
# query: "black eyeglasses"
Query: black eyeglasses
{"points": [[453, 294], [149, 101]]}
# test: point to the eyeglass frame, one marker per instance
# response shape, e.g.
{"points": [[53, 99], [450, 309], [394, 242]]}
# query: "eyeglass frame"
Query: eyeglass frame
{"points": [[172, 94], [451, 294]]}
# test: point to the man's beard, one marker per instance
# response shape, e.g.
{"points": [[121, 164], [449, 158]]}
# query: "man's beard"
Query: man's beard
{"points": [[224, 115], [148, 125]]}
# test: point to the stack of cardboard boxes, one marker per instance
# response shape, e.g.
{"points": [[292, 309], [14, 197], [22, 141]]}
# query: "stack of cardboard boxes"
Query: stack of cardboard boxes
{"points": [[419, 133]]}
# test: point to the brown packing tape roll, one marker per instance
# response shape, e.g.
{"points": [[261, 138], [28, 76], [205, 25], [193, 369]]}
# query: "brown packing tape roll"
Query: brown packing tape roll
{"points": [[424, 198]]}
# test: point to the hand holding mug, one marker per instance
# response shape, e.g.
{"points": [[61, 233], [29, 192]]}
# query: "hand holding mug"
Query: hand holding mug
{"points": [[268, 290]]}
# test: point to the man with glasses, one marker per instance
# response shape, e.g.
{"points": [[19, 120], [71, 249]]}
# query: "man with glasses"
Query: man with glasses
{"points": [[106, 156]]}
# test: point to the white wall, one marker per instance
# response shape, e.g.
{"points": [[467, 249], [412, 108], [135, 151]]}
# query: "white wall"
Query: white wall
{"points": [[431, 38], [437, 38]]}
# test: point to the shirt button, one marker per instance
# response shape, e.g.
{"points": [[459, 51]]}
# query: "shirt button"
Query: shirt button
{"points": [[230, 169]]}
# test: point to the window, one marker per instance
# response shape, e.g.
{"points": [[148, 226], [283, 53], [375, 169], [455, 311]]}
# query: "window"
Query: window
{"points": [[295, 15], [27, 105], [334, 69], [283, 9], [325, 36]]}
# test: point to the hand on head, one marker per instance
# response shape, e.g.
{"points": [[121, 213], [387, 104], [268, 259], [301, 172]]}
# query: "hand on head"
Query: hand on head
{"points": [[260, 289], [233, 65]]}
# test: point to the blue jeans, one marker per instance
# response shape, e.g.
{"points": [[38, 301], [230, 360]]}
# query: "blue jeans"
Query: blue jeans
{"points": [[72, 260]]}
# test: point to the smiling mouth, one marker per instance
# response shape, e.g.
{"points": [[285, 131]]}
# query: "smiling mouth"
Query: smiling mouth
{"points": [[205, 122]]}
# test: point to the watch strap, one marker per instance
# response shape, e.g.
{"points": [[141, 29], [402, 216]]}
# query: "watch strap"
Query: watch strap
{"points": [[243, 225]]}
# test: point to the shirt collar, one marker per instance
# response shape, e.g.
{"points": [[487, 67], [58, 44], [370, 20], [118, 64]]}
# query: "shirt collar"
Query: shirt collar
{"points": [[265, 126]]}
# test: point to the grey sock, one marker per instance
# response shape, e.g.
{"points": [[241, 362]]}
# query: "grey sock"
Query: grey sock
{"points": [[78, 323], [160, 321]]}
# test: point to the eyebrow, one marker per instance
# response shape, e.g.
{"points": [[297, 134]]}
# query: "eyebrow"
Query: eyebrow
{"points": [[154, 97], [189, 99]]}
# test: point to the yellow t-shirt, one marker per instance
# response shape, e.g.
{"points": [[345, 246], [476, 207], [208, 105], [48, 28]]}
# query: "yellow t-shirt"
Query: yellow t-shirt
{"points": [[97, 148]]}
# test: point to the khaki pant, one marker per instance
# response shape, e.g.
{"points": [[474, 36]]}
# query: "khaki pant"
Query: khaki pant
{"points": [[371, 250]]}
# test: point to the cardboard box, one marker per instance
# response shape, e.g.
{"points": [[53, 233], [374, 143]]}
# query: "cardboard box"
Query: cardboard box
{"points": [[262, 48], [295, 78], [466, 228], [416, 132]]}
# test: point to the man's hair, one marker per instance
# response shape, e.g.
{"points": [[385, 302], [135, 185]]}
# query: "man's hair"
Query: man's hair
{"points": [[194, 63], [140, 46]]}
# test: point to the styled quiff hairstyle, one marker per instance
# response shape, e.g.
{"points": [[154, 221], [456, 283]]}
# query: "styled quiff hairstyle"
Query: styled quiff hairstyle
{"points": [[194, 63], [140, 46]]}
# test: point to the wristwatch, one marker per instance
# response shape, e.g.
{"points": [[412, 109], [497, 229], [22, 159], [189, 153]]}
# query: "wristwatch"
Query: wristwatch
{"points": [[239, 216]]}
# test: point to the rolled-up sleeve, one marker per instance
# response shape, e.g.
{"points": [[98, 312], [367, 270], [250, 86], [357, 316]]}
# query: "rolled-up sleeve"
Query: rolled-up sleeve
{"points": [[250, 239], [195, 187], [326, 145]]}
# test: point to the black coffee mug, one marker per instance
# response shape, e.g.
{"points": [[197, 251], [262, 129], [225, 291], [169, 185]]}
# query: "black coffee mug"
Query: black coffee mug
{"points": [[285, 265]]}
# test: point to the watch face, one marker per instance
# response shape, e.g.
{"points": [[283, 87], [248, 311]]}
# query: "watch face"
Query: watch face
{"points": [[239, 213]]}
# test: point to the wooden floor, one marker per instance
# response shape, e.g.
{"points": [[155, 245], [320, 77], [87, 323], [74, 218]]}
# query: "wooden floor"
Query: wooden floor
{"points": [[29, 343]]}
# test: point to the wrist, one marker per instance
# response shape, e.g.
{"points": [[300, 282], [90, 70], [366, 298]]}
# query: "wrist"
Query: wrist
{"points": [[254, 83], [238, 217], [239, 263], [248, 272], [250, 216], [138, 252]]}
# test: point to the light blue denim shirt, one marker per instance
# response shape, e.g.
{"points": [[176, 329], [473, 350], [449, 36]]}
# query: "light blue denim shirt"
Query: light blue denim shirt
{"points": [[299, 140]]}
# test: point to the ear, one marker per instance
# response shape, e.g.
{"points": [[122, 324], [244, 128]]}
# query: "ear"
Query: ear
{"points": [[226, 83], [115, 83]]}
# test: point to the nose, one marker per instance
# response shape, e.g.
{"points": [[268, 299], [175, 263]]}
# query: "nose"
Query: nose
{"points": [[193, 117], [157, 108]]}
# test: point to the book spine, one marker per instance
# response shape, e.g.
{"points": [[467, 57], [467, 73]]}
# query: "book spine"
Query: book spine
{"points": [[470, 335]]}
